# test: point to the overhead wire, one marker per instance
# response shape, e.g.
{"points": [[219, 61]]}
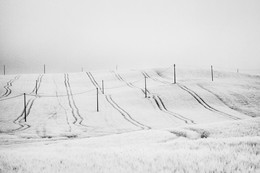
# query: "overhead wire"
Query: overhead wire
{"points": [[8, 98], [78, 93]]}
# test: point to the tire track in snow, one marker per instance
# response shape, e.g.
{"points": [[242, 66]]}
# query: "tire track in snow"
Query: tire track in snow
{"points": [[67, 118], [93, 81], [96, 85], [8, 91], [160, 104], [176, 115], [119, 77], [220, 99], [74, 109], [20, 119], [70, 102], [39, 79], [205, 104], [154, 79], [31, 101], [158, 100], [125, 114], [122, 80]]}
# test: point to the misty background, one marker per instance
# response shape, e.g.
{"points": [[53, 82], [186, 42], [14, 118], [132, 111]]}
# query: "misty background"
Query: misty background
{"points": [[67, 35]]}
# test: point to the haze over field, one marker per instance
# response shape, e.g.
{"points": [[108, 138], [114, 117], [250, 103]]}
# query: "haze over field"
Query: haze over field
{"points": [[67, 35], [111, 99]]}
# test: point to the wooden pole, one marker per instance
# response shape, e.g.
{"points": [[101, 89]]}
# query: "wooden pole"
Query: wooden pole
{"points": [[103, 89], [174, 74], [145, 90], [36, 87], [4, 69], [44, 68], [24, 98], [211, 72], [97, 101]]}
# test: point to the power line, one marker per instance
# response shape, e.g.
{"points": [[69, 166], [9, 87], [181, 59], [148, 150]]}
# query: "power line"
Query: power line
{"points": [[11, 97]]}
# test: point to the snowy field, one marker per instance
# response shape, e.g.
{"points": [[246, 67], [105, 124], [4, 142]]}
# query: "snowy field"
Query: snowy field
{"points": [[196, 125]]}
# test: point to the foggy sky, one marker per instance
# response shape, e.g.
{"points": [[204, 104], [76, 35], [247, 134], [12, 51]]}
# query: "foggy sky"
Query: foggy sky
{"points": [[69, 34]]}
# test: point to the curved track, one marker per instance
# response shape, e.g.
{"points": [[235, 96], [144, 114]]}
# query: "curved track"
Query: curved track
{"points": [[74, 109], [67, 118], [20, 120], [222, 100], [109, 99], [93, 81], [204, 104], [154, 79], [39, 81], [162, 106], [29, 104], [125, 114], [8, 91]]}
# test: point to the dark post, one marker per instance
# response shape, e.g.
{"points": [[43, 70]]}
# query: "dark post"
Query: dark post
{"points": [[36, 87], [4, 69], [145, 90], [24, 98], [211, 72], [174, 74], [44, 69], [103, 89], [97, 101]]}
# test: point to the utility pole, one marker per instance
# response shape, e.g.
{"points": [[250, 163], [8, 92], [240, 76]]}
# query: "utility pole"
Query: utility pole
{"points": [[24, 98], [44, 68], [145, 90], [97, 101], [174, 74], [4, 69], [211, 72], [36, 87], [103, 88]]}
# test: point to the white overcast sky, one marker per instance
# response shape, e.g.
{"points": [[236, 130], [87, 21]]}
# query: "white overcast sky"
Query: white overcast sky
{"points": [[96, 34]]}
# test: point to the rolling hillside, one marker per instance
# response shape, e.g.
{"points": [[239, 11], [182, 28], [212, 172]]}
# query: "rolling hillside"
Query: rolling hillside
{"points": [[174, 122]]}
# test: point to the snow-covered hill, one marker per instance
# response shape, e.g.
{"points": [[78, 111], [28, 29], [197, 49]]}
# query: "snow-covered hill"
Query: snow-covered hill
{"points": [[129, 132]]}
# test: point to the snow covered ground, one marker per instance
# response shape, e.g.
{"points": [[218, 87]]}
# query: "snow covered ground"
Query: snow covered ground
{"points": [[195, 125]]}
